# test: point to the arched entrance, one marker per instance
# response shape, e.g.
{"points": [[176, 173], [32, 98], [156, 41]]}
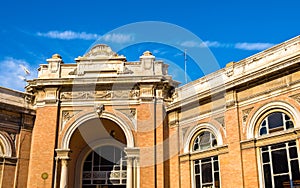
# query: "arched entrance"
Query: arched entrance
{"points": [[101, 154]]}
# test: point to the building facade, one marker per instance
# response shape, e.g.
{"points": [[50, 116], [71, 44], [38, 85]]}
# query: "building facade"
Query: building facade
{"points": [[106, 122]]}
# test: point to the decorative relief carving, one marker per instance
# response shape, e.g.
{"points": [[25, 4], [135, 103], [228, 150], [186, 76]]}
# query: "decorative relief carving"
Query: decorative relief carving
{"points": [[296, 97], [108, 94], [86, 95], [229, 72], [134, 93], [67, 115], [99, 109], [220, 120], [121, 94], [130, 112], [246, 113], [100, 50]]}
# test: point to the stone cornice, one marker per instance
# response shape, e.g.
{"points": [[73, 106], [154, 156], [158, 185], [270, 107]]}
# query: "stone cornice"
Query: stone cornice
{"points": [[264, 63], [16, 101], [101, 80]]}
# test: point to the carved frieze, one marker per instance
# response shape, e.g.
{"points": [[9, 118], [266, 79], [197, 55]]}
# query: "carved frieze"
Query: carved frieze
{"points": [[77, 95], [95, 95], [134, 93], [121, 94]]}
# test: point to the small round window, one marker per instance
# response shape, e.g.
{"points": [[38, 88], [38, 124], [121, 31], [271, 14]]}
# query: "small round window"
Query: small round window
{"points": [[274, 122], [204, 140]]}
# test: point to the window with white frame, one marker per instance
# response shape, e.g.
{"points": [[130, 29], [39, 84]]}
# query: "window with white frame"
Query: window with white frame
{"points": [[279, 161], [276, 121], [206, 170], [105, 166], [204, 140]]}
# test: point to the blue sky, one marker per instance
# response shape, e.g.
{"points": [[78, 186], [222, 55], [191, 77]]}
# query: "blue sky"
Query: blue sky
{"points": [[31, 31]]}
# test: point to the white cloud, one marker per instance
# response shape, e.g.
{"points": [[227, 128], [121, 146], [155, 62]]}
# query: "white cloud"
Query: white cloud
{"points": [[193, 44], [216, 44], [253, 46], [12, 73], [190, 44], [69, 35], [117, 38]]}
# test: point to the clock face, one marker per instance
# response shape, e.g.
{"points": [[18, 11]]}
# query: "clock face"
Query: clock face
{"points": [[44, 175]]}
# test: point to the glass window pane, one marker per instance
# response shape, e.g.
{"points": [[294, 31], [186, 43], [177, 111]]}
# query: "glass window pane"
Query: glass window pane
{"points": [[217, 180], [198, 183], [289, 124], [279, 160], [275, 120], [206, 172], [206, 160], [277, 146], [196, 147], [197, 169], [280, 180], [287, 117], [263, 131], [295, 170], [96, 159], [264, 148], [265, 157], [292, 143], [87, 166], [216, 166], [89, 158], [293, 152], [267, 175], [205, 146]]}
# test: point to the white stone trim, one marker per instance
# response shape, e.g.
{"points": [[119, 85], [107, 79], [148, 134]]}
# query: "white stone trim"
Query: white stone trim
{"points": [[202, 126], [273, 105], [6, 146], [105, 115]]}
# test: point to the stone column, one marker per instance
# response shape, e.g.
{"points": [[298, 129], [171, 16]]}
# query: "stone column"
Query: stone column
{"points": [[64, 173], [63, 156], [132, 170], [129, 173]]}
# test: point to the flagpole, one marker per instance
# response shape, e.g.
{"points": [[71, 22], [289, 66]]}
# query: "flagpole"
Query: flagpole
{"points": [[185, 60]]}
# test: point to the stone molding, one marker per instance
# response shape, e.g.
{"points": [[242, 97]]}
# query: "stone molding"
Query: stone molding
{"points": [[203, 154]]}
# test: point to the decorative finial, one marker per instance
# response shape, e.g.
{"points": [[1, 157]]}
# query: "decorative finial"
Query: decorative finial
{"points": [[56, 56], [147, 53]]}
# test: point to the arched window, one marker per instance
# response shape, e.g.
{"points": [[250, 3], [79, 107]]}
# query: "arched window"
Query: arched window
{"points": [[279, 161], [204, 140], [276, 121], [206, 170], [105, 166]]}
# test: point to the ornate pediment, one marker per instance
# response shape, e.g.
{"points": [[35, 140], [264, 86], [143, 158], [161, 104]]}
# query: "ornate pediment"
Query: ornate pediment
{"points": [[101, 50]]}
